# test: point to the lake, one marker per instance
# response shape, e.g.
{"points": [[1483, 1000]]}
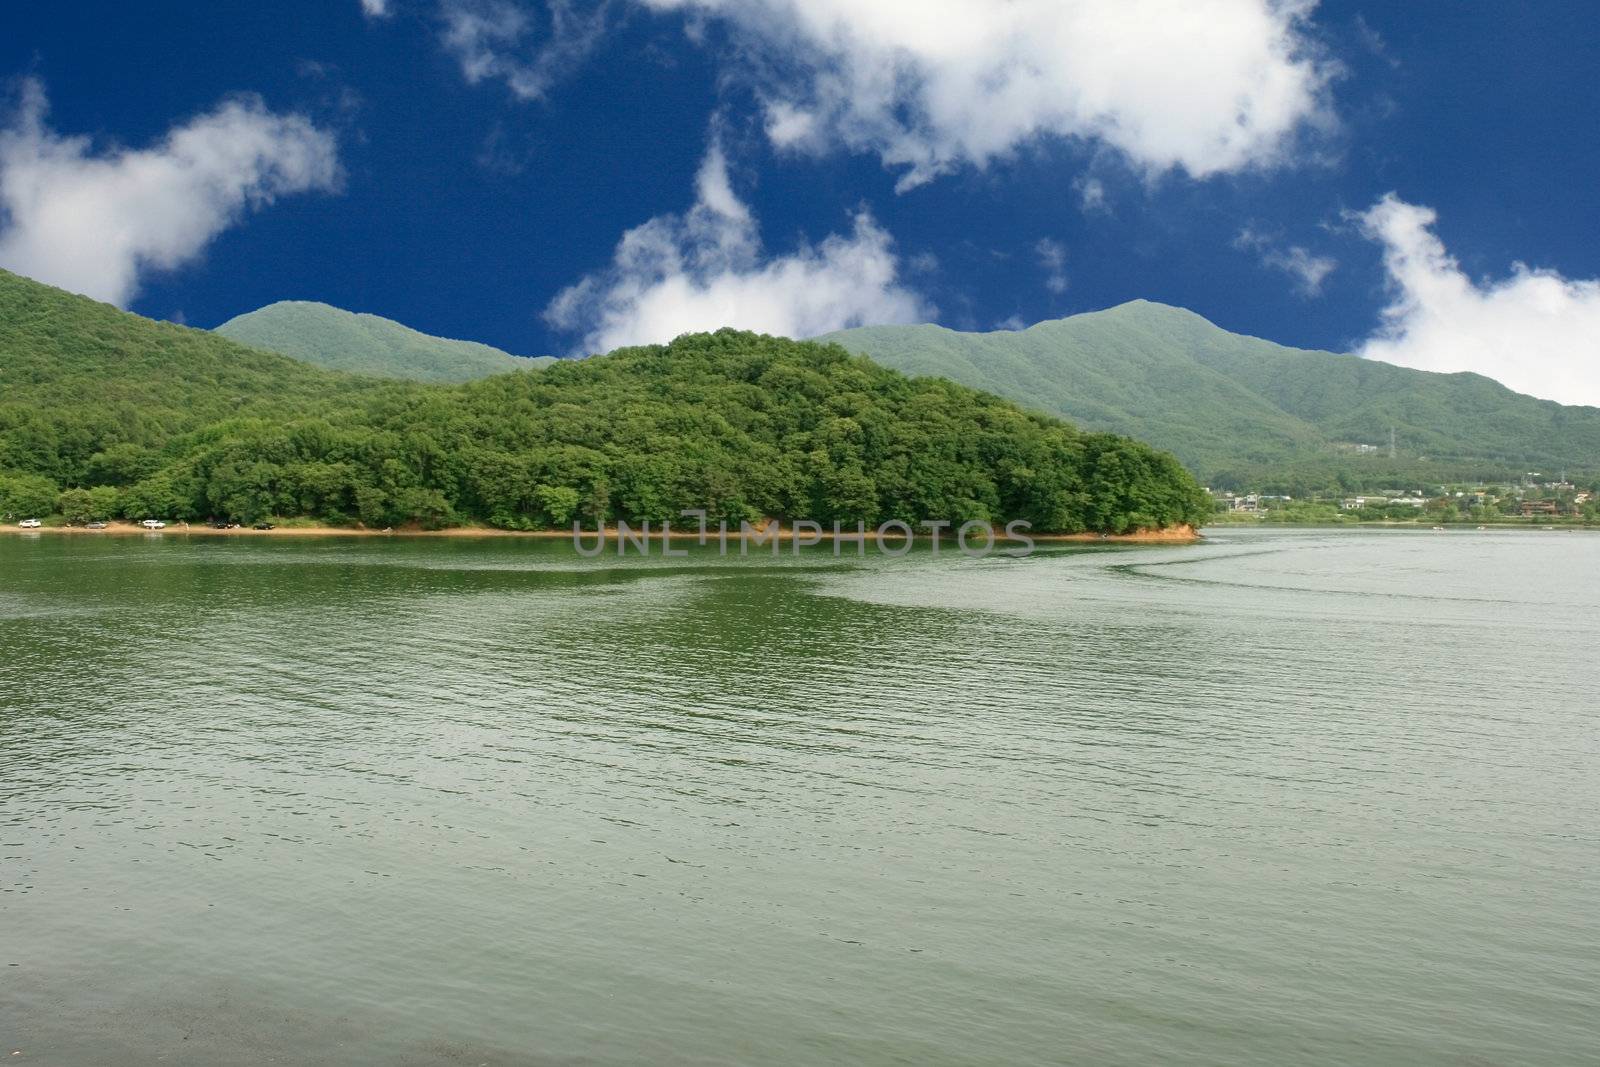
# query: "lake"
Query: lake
{"points": [[1283, 797]]}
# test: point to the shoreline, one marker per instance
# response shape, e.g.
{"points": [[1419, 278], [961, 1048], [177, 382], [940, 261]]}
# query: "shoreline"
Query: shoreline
{"points": [[1177, 535], [1387, 524]]}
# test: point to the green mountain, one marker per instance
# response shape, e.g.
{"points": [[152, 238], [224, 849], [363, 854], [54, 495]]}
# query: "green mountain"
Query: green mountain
{"points": [[1238, 410], [90, 394], [106, 413], [367, 344]]}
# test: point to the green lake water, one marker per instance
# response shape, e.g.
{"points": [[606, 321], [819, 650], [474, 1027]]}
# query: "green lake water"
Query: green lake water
{"points": [[1284, 797]]}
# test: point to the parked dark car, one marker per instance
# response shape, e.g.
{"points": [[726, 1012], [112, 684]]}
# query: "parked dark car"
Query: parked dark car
{"points": [[263, 526]]}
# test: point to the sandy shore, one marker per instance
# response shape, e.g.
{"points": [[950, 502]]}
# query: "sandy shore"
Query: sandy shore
{"points": [[1176, 535], [1171, 535]]}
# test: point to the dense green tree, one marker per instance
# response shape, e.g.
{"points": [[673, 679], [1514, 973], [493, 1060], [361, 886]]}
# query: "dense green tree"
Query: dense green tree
{"points": [[76, 506], [121, 464], [428, 508], [372, 506], [160, 496], [557, 503], [105, 503], [26, 496]]}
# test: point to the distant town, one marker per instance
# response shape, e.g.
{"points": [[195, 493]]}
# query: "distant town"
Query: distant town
{"points": [[1535, 498]]}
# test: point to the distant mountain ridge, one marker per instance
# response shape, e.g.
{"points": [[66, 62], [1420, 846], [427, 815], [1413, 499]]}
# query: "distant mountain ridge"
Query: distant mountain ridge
{"points": [[1237, 411], [331, 337], [1240, 408]]}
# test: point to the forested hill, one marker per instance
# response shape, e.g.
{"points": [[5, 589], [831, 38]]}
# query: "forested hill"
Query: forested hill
{"points": [[368, 344], [89, 393], [1239, 410], [105, 412]]}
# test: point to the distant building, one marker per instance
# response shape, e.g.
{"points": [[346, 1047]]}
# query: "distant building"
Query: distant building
{"points": [[1540, 507]]}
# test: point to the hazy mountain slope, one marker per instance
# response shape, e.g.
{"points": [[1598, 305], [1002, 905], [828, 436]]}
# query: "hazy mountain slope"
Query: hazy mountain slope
{"points": [[1466, 416], [1124, 374], [1225, 402], [368, 344]]}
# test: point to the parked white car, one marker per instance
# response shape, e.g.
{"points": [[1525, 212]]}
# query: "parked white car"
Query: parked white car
{"points": [[30, 524], [153, 524]]}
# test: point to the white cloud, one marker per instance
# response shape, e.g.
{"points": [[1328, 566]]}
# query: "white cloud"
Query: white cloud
{"points": [[1307, 269], [789, 126], [1053, 258], [1202, 87], [475, 33], [705, 270], [1535, 331], [375, 9], [1092, 197], [94, 222], [498, 39], [1310, 271]]}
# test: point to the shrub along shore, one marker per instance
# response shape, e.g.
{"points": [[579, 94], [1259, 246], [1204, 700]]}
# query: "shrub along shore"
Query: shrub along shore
{"points": [[1181, 534]]}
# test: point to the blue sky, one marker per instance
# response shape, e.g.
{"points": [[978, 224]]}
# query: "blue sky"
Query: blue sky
{"points": [[471, 167]]}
